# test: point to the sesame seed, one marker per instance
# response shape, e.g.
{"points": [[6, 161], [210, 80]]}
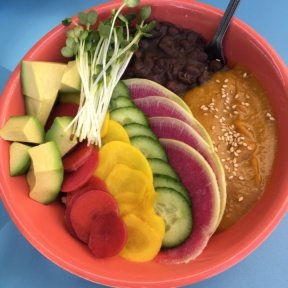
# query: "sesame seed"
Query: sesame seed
{"points": [[241, 178], [240, 199], [213, 127], [249, 148], [230, 177], [244, 75], [218, 81], [224, 86], [226, 80]]}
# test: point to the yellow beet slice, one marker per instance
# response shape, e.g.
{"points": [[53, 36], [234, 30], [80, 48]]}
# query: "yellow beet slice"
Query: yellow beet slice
{"points": [[117, 152], [154, 221], [124, 179], [105, 126], [143, 243], [115, 132]]}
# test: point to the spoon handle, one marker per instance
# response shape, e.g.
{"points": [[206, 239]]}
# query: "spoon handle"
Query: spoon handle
{"points": [[229, 12]]}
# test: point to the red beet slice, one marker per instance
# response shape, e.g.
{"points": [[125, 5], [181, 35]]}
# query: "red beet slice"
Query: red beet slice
{"points": [[61, 109], [74, 180], [77, 157], [108, 235], [94, 183], [90, 203]]}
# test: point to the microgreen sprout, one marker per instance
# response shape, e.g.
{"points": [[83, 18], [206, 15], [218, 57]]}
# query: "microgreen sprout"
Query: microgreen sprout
{"points": [[102, 54]]}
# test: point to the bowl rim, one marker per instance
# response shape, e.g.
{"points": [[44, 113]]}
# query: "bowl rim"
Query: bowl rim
{"points": [[208, 273]]}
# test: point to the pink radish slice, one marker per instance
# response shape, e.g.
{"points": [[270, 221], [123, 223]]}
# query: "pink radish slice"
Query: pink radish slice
{"points": [[154, 106], [200, 181], [170, 128]]}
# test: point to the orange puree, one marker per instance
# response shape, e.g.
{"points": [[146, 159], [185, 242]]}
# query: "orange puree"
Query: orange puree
{"points": [[234, 109]]}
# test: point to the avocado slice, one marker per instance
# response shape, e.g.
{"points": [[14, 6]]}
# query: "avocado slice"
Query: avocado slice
{"points": [[70, 82], [40, 85], [46, 173], [19, 158], [60, 135], [23, 129]]}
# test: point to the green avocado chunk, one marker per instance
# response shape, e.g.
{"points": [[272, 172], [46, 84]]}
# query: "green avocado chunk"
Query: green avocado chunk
{"points": [[60, 135], [70, 82], [19, 158], [40, 84], [23, 129], [46, 173]]}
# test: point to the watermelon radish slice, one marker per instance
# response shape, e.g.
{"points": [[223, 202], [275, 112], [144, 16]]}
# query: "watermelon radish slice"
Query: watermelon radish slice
{"points": [[76, 179], [108, 235], [86, 206], [154, 106], [200, 181], [60, 110], [171, 128], [140, 88], [77, 157]]}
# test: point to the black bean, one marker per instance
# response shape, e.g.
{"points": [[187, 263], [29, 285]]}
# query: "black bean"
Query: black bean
{"points": [[174, 57]]}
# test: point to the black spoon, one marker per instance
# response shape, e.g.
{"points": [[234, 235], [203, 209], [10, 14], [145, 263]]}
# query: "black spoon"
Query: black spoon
{"points": [[215, 48]]}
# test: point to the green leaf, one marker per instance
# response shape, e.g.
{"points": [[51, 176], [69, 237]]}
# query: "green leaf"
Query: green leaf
{"points": [[148, 27], [70, 42], [83, 35], [78, 30], [83, 18], [134, 47], [88, 46], [70, 33], [104, 30], [75, 48], [120, 34], [122, 18], [131, 17], [145, 12], [67, 52], [92, 17], [67, 21], [93, 36], [131, 3]]}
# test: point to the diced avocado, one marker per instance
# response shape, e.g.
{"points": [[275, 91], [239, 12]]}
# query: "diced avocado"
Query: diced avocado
{"points": [[70, 81], [46, 173], [19, 158], [41, 82], [60, 135], [69, 98], [23, 129]]}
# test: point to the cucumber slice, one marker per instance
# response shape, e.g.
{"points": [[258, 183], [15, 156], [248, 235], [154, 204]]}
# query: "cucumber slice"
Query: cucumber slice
{"points": [[149, 147], [120, 90], [129, 115], [161, 167], [168, 182], [177, 215], [121, 102], [135, 129]]}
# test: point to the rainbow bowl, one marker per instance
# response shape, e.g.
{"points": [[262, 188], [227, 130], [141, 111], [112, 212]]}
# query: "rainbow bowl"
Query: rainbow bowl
{"points": [[44, 227]]}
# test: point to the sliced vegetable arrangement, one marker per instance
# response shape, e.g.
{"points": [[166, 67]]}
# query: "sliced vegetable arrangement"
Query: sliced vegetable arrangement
{"points": [[137, 173]]}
